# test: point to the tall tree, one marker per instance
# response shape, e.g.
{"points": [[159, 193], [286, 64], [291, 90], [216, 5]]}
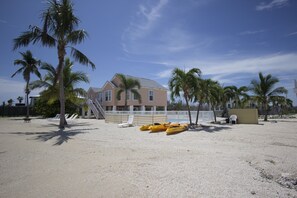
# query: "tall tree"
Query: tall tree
{"points": [[202, 94], [128, 85], [58, 30], [29, 65], [264, 90], [186, 83]]}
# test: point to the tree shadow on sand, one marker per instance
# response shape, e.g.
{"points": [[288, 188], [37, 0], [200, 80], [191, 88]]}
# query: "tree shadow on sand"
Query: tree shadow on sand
{"points": [[210, 129], [60, 135]]}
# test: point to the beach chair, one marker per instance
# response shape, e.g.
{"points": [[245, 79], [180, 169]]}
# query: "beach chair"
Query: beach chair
{"points": [[233, 119], [54, 118], [72, 117], [128, 123]]}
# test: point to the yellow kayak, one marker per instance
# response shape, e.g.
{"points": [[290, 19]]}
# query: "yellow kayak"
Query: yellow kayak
{"points": [[159, 128], [145, 127], [176, 128]]}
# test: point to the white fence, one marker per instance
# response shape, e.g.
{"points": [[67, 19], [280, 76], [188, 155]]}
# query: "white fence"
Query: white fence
{"points": [[171, 116]]}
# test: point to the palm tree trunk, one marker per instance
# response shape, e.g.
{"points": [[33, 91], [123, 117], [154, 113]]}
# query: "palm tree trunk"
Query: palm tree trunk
{"points": [[214, 114], [126, 106], [189, 111], [62, 103], [61, 54], [27, 96], [266, 111], [198, 110]]}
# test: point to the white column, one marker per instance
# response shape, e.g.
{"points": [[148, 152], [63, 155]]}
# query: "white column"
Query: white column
{"points": [[83, 112], [114, 108], [165, 109], [131, 107], [154, 108], [89, 112], [142, 108]]}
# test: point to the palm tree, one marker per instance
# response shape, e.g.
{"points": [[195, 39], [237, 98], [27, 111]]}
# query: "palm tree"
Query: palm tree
{"points": [[281, 103], [202, 94], [185, 82], [10, 101], [58, 30], [20, 99], [28, 65], [237, 94], [70, 79], [126, 85], [264, 90], [215, 98], [225, 94]]}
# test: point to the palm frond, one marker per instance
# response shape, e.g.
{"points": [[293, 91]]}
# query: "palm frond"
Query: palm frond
{"points": [[118, 94], [23, 40], [76, 36], [81, 58], [137, 94], [17, 72]]}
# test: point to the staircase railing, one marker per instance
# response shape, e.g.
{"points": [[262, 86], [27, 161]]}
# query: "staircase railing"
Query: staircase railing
{"points": [[96, 108], [93, 108], [99, 107]]}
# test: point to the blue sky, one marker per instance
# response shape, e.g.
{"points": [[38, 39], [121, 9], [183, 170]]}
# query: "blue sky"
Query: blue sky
{"points": [[229, 40]]}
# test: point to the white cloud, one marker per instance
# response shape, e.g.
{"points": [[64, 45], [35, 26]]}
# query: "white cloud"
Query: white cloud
{"points": [[144, 22], [241, 71], [273, 63], [292, 34], [249, 32], [12, 89], [2, 21], [164, 74], [272, 4]]}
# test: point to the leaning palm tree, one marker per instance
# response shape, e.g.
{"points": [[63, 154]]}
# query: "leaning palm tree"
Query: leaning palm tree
{"points": [[264, 90], [58, 30], [186, 83], [28, 65], [215, 97], [70, 79], [128, 85]]}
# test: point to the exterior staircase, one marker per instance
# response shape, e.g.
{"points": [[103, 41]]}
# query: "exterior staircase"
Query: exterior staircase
{"points": [[96, 108]]}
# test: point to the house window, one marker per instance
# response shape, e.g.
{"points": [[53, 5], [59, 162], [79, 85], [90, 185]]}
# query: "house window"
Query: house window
{"points": [[151, 95], [100, 97], [108, 95], [134, 96]]}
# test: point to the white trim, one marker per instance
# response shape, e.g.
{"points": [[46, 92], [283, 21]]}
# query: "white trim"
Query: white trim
{"points": [[108, 82], [110, 99]]}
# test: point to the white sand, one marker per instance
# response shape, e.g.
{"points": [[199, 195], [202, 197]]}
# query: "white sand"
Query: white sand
{"points": [[101, 160]]}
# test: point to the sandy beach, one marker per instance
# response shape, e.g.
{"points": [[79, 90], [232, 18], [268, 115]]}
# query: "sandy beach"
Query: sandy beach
{"points": [[98, 159]]}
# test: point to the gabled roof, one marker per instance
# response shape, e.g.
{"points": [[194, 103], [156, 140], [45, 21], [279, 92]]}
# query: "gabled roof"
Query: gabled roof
{"points": [[108, 82], [146, 83], [95, 89]]}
